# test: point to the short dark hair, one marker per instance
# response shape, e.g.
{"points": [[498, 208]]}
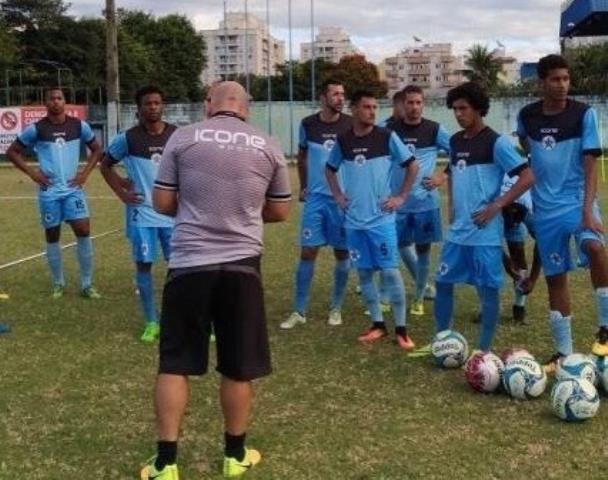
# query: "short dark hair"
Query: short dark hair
{"points": [[550, 62], [412, 89], [48, 91], [330, 81], [147, 90], [399, 96], [473, 93], [359, 94]]}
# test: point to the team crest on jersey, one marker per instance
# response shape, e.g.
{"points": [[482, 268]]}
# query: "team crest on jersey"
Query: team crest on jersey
{"points": [[360, 159], [461, 165], [156, 158], [60, 142], [549, 142], [443, 268], [556, 258], [411, 147], [307, 234], [329, 143], [355, 255]]}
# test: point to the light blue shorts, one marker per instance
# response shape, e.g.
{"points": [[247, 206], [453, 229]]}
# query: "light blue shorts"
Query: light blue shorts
{"points": [[373, 248], [322, 223], [145, 241], [478, 265], [553, 237], [56, 209], [419, 227]]}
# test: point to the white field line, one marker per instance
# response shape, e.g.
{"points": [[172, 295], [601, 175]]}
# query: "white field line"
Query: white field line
{"points": [[42, 254]]}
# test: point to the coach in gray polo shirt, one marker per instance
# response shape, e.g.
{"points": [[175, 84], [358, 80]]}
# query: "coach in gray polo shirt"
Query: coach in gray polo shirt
{"points": [[221, 179]]}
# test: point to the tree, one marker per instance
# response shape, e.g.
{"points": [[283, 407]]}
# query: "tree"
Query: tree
{"points": [[357, 74], [483, 66], [588, 67], [177, 51], [27, 15], [9, 47]]}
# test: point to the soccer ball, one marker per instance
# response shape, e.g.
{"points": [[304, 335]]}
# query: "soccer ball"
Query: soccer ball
{"points": [[602, 372], [524, 378], [483, 372], [512, 353], [575, 400], [576, 365], [449, 349]]}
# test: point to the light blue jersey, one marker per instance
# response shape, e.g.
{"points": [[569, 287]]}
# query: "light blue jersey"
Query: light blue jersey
{"points": [[558, 144], [477, 168], [425, 139], [317, 139], [141, 153], [58, 148], [366, 164]]}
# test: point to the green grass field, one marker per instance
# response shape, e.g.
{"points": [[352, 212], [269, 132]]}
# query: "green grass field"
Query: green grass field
{"points": [[76, 385]]}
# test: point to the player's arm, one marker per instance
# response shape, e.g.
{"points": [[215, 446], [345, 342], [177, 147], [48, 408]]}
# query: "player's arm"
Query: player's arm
{"points": [[278, 196], [510, 161], [165, 201], [591, 144], [302, 173], [93, 159], [449, 196], [16, 155], [120, 186], [411, 171], [331, 174], [404, 157]]}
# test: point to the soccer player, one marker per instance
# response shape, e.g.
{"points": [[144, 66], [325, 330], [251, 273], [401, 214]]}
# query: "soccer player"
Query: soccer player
{"points": [[322, 220], [221, 179], [366, 154], [57, 140], [472, 252], [140, 149], [398, 111], [563, 140], [419, 218]]}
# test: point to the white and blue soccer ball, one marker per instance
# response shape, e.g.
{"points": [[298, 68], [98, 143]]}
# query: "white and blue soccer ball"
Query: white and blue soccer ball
{"points": [[507, 356], [576, 365], [601, 363], [524, 378], [449, 349], [484, 372], [575, 400]]}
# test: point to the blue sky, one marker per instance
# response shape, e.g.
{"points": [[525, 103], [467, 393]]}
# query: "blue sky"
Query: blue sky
{"points": [[380, 28]]}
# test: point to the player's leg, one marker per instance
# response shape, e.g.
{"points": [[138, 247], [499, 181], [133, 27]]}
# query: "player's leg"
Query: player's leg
{"points": [[76, 213], [519, 264], [598, 262], [487, 271], [184, 345], [336, 237], [243, 356], [423, 265], [453, 268], [312, 236], [51, 218]]}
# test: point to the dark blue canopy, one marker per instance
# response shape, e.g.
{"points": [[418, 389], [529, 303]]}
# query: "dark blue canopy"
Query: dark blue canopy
{"points": [[585, 18]]}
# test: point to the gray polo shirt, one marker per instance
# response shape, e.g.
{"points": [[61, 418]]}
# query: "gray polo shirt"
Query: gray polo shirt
{"points": [[224, 170]]}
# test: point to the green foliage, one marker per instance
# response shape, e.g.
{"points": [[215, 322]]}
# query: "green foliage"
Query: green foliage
{"points": [[40, 39], [354, 71], [589, 67], [483, 67]]}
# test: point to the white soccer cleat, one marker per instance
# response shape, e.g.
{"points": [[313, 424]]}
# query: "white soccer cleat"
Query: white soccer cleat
{"points": [[335, 318], [292, 321]]}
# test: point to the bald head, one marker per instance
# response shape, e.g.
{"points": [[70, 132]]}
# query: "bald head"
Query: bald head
{"points": [[228, 97]]}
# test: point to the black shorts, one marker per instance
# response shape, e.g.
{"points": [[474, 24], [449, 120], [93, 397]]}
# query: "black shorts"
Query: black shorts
{"points": [[228, 296]]}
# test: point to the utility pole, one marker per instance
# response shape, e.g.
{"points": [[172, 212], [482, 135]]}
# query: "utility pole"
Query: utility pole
{"points": [[112, 79]]}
